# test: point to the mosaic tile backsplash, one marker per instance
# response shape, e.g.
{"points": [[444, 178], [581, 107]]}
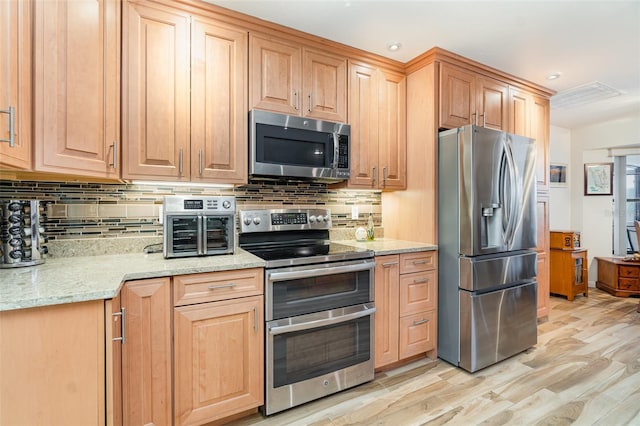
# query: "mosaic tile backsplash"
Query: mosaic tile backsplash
{"points": [[104, 210]]}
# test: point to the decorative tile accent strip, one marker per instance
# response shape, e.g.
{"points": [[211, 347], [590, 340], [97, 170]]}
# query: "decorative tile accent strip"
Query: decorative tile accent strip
{"points": [[104, 210]]}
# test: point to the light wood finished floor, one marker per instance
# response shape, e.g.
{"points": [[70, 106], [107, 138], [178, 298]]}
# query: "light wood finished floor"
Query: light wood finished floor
{"points": [[585, 370]]}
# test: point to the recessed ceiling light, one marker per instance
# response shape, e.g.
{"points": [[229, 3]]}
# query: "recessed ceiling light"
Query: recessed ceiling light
{"points": [[394, 46], [554, 75]]}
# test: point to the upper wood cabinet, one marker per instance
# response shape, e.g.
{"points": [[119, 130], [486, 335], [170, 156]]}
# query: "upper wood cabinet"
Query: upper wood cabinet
{"points": [[290, 79], [470, 98], [377, 114], [529, 116], [77, 87], [15, 90], [185, 107]]}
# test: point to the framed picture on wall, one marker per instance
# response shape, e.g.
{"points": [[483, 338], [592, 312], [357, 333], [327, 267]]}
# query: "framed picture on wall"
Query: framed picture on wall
{"points": [[558, 174], [598, 179]]}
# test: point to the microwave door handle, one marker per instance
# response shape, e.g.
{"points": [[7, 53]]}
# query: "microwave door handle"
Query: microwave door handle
{"points": [[336, 150]]}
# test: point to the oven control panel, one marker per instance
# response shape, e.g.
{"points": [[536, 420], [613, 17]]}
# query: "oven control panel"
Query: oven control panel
{"points": [[284, 219]]}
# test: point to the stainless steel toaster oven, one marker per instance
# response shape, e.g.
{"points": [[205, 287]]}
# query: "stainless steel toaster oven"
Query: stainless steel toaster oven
{"points": [[198, 226]]}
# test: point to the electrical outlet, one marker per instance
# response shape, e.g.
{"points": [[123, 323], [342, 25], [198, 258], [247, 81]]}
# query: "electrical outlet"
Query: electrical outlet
{"points": [[354, 212]]}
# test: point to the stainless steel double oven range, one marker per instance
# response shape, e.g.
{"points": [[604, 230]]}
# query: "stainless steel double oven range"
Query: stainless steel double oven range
{"points": [[318, 306]]}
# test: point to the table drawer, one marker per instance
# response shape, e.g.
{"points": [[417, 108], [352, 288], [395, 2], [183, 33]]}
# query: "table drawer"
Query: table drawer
{"points": [[417, 262], [629, 284], [629, 271], [213, 286]]}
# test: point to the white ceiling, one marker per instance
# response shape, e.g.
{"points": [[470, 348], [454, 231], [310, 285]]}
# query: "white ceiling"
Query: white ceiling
{"points": [[587, 41]]}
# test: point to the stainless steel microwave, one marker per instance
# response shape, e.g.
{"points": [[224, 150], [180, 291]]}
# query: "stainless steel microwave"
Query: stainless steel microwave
{"points": [[282, 146]]}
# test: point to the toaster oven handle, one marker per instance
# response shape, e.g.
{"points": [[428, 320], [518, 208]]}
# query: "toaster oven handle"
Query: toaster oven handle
{"points": [[202, 235], [320, 323]]}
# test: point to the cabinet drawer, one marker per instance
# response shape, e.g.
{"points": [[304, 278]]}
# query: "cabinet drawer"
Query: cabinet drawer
{"points": [[416, 262], [629, 284], [212, 286], [417, 334], [417, 292], [629, 271]]}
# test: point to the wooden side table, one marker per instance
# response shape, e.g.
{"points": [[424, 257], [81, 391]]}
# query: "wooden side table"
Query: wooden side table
{"points": [[618, 277], [569, 273]]}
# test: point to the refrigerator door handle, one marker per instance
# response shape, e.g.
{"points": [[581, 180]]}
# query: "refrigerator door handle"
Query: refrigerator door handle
{"points": [[512, 210]]}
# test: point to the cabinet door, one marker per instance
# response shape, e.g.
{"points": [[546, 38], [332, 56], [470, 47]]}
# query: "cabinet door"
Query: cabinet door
{"points": [[387, 279], [146, 352], [15, 90], [275, 83], [218, 359], [457, 97], [218, 103], [539, 130], [77, 87], [52, 365], [493, 103], [363, 117], [392, 130], [519, 112], [418, 292], [324, 81], [155, 77], [543, 255]]}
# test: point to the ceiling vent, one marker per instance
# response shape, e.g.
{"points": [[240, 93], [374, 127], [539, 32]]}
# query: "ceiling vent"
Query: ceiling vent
{"points": [[583, 95]]}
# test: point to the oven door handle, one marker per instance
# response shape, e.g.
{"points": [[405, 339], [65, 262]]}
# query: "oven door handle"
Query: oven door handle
{"points": [[320, 323], [306, 273]]}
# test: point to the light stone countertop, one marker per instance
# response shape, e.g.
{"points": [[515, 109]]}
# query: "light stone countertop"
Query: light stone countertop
{"points": [[79, 279], [384, 246]]}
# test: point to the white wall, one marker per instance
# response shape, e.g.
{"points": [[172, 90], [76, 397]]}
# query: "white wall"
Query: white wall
{"points": [[560, 196], [591, 215]]}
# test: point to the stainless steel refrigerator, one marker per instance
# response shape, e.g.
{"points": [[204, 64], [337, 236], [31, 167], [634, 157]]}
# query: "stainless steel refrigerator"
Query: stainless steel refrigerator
{"points": [[487, 262]]}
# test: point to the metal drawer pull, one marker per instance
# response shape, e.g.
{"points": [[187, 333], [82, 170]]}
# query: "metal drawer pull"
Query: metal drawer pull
{"points": [[419, 262], [115, 155], [12, 133], [422, 280], [180, 170], [122, 325], [255, 319], [216, 287], [388, 264], [422, 321]]}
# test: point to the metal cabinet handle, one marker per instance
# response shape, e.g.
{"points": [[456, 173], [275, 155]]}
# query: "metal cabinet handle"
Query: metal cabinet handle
{"points": [[180, 162], [200, 161], [374, 175], [475, 118], [216, 287], [310, 103], [389, 264], [419, 262], [297, 104], [114, 157], [255, 319], [422, 280], [484, 119], [422, 321], [120, 314], [384, 175], [12, 133]]}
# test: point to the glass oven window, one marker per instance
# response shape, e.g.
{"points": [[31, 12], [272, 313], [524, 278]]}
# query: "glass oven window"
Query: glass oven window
{"points": [[314, 294], [293, 147], [217, 229], [306, 354], [184, 234]]}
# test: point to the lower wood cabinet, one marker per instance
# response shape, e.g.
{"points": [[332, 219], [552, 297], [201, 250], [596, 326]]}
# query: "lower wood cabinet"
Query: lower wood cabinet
{"points": [[192, 348], [406, 307], [52, 365], [569, 273]]}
